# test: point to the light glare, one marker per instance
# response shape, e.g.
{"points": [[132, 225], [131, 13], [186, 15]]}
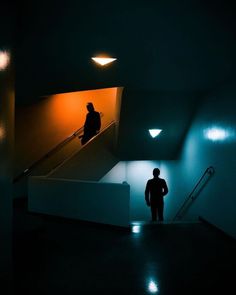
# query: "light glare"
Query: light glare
{"points": [[218, 133], [4, 60], [103, 60], [154, 132], [152, 287], [136, 229]]}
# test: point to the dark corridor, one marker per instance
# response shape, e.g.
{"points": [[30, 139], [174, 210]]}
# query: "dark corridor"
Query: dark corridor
{"points": [[58, 256]]}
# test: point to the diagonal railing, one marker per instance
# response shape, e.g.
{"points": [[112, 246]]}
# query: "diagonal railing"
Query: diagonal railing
{"points": [[57, 148], [59, 164], [28, 170], [194, 193]]}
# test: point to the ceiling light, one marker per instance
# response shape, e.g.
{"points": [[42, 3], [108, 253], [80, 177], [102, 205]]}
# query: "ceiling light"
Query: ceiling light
{"points": [[154, 132], [103, 60]]}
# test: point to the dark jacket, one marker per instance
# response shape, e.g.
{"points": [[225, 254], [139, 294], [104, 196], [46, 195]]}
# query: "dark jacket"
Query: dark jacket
{"points": [[156, 189], [92, 123]]}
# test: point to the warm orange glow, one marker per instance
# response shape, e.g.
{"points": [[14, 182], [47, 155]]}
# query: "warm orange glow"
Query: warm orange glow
{"points": [[69, 109], [4, 60], [58, 116], [103, 60], [2, 132]]}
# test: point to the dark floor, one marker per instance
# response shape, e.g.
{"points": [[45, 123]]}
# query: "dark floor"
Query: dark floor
{"points": [[56, 256]]}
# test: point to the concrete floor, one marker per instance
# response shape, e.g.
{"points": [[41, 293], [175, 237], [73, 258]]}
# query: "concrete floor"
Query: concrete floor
{"points": [[58, 256]]}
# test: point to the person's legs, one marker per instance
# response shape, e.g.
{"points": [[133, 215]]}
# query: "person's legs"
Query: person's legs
{"points": [[85, 138], [154, 213], [160, 210]]}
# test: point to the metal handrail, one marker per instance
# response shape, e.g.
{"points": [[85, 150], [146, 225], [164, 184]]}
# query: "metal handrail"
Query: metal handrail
{"points": [[48, 154], [70, 156], [210, 171]]}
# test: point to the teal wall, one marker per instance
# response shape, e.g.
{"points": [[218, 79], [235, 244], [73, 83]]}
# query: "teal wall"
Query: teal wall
{"points": [[217, 202]]}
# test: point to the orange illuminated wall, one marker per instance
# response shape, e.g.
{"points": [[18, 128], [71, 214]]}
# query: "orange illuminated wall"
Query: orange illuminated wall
{"points": [[42, 126]]}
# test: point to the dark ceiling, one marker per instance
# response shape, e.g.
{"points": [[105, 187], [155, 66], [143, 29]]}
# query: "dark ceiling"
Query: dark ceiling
{"points": [[171, 54]]}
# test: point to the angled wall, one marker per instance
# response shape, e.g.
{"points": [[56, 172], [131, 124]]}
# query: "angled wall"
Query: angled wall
{"points": [[211, 141], [44, 124]]}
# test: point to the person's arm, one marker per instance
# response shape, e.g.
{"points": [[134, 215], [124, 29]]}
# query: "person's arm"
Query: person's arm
{"points": [[165, 188], [147, 191]]}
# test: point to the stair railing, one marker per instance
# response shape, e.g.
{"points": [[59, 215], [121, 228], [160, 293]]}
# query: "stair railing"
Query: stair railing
{"points": [[70, 156], [195, 192], [28, 170]]}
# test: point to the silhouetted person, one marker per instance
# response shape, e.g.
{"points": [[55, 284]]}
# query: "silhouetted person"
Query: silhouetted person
{"points": [[156, 189], [92, 124]]}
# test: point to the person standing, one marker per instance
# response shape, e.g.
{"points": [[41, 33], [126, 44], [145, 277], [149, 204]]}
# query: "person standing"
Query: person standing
{"points": [[156, 189], [92, 124]]}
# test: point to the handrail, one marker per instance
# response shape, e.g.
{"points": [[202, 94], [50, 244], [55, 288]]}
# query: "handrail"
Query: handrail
{"points": [[191, 197], [48, 154], [63, 161]]}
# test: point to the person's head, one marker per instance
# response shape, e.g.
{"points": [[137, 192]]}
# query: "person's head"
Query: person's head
{"points": [[90, 107], [156, 172]]}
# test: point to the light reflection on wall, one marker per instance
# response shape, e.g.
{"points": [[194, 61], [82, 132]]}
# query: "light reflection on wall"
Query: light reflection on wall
{"points": [[218, 133], [4, 59], [136, 173], [140, 171], [2, 132]]}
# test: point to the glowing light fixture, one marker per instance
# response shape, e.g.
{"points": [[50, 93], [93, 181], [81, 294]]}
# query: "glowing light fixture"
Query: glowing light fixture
{"points": [[216, 133], [102, 61], [4, 60], [154, 132]]}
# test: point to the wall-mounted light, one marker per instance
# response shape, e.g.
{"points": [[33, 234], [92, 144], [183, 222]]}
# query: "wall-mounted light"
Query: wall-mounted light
{"points": [[4, 59], [218, 133], [154, 132], [102, 61]]}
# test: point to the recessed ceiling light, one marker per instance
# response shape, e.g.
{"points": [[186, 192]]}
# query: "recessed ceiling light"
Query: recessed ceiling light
{"points": [[103, 60], [154, 132]]}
